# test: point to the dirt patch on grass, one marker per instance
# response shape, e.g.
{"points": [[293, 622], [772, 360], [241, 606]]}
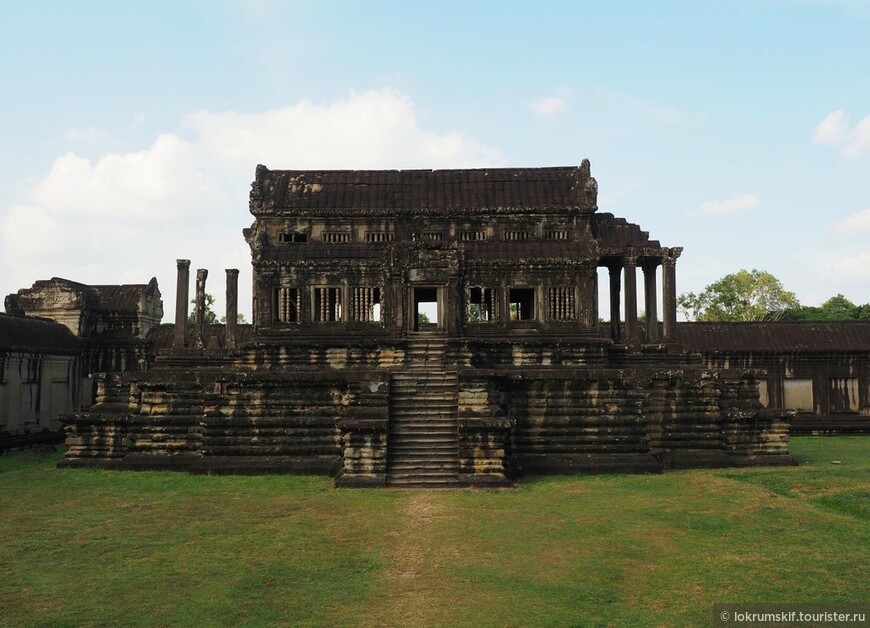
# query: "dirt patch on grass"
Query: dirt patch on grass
{"points": [[411, 571]]}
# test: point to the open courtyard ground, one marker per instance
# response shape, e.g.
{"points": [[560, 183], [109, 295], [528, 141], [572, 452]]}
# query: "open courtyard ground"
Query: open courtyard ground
{"points": [[81, 546]]}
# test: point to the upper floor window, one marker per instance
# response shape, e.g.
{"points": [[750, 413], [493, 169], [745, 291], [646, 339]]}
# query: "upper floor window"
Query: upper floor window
{"points": [[336, 237], [516, 235], [557, 234], [327, 304], [379, 236], [427, 236], [472, 236], [293, 237]]}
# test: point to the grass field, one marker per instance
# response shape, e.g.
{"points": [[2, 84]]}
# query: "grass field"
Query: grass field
{"points": [[123, 548]]}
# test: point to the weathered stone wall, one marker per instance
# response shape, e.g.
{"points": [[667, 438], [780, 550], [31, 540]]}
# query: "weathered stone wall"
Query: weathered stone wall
{"points": [[34, 389], [588, 421], [485, 455]]}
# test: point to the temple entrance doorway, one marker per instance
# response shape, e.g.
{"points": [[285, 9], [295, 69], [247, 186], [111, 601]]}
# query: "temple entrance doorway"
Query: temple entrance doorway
{"points": [[427, 308]]}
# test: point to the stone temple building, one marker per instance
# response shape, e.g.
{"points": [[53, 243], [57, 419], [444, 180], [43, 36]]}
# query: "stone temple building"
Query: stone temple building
{"points": [[508, 371], [53, 336]]}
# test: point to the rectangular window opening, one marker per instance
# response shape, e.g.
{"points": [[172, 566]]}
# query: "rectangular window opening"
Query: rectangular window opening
{"points": [[293, 237], [480, 305], [516, 235], [797, 394], [327, 304], [843, 394], [522, 304]]}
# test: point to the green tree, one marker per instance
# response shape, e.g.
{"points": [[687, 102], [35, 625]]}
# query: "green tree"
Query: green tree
{"points": [[210, 316], [837, 308], [754, 295]]}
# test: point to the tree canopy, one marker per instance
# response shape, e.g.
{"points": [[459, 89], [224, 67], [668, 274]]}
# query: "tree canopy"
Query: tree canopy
{"points": [[210, 317], [754, 295], [837, 308]]}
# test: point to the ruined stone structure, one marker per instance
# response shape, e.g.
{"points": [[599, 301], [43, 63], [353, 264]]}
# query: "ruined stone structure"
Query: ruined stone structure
{"points": [[341, 373], [53, 336], [820, 370]]}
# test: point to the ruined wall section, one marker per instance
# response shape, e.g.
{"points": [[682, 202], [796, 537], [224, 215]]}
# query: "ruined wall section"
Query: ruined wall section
{"points": [[225, 422], [586, 421]]}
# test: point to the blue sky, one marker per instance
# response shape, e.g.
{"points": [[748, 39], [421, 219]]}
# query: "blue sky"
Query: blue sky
{"points": [[738, 130]]}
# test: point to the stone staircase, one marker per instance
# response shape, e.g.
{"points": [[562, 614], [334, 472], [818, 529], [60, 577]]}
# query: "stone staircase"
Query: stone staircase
{"points": [[422, 445]]}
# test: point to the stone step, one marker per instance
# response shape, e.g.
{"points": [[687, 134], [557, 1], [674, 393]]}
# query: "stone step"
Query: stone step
{"points": [[442, 427], [409, 381], [448, 427], [422, 448], [437, 463], [422, 469], [417, 413]]}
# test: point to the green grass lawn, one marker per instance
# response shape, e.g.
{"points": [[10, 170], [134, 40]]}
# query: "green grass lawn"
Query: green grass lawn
{"points": [[121, 548]]}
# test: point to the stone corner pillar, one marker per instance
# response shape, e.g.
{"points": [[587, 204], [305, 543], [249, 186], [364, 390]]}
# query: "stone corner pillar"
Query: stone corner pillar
{"points": [[201, 276], [669, 296], [181, 295], [615, 271], [630, 287], [232, 307], [651, 299]]}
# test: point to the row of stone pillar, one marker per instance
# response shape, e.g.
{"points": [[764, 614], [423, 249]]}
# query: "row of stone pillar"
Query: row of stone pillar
{"points": [[628, 265], [181, 294]]}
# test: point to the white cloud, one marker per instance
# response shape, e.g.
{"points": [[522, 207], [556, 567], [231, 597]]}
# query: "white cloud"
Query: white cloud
{"points": [[89, 135], [834, 130], [856, 223], [548, 106], [124, 217], [730, 205], [852, 268], [373, 129]]}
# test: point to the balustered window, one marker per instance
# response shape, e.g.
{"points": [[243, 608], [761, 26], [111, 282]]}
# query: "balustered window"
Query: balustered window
{"points": [[378, 236], [365, 305], [427, 236], [472, 236], [327, 304], [336, 237], [561, 304], [286, 305], [516, 235]]}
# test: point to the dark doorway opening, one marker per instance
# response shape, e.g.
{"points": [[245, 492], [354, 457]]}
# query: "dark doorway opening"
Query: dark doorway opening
{"points": [[522, 304], [426, 314]]}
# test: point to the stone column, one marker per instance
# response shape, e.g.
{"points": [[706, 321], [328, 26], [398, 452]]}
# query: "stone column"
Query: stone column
{"points": [[651, 300], [631, 299], [201, 276], [232, 306], [615, 281], [181, 294], [669, 294]]}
